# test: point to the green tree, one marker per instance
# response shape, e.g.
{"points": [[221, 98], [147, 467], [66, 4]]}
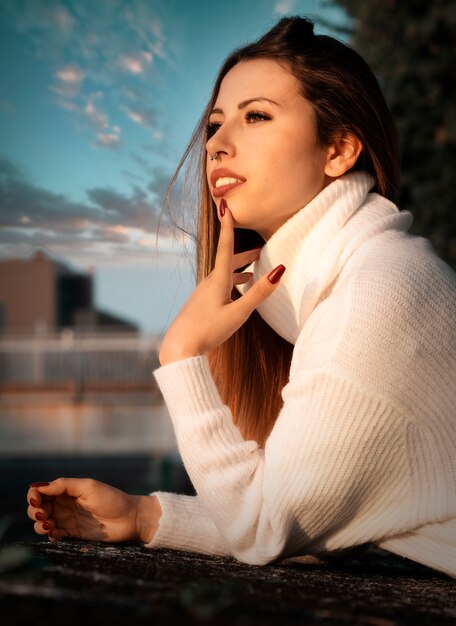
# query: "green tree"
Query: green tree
{"points": [[410, 46]]}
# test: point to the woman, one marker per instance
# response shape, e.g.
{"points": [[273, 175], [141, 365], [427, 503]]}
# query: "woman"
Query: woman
{"points": [[313, 396]]}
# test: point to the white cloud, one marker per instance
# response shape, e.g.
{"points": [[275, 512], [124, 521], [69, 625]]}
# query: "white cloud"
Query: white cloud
{"points": [[108, 140], [107, 47], [135, 117], [70, 74], [141, 115], [284, 6], [96, 118], [148, 28], [136, 64], [70, 80]]}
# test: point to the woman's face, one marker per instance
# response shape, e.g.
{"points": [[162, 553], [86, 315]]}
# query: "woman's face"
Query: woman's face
{"points": [[264, 132]]}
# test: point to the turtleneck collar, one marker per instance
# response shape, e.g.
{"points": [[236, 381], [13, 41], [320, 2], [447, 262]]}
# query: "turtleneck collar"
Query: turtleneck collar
{"points": [[314, 245]]}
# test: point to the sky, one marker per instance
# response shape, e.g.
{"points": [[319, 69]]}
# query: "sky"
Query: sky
{"points": [[97, 103]]}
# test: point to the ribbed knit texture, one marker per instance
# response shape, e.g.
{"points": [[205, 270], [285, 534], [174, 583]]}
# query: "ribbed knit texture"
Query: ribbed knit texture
{"points": [[364, 448]]}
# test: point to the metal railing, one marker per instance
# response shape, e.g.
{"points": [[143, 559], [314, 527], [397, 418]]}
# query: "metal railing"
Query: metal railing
{"points": [[69, 393], [67, 359]]}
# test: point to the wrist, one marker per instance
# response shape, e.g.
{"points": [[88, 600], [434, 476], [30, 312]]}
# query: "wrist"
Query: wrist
{"points": [[169, 356], [148, 513]]}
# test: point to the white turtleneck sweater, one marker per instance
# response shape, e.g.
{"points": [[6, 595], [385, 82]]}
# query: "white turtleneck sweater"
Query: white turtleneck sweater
{"points": [[364, 447]]}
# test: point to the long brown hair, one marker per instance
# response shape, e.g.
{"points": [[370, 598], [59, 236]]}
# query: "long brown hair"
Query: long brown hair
{"points": [[252, 366]]}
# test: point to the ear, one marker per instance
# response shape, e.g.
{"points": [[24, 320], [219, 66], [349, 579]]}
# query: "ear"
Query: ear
{"points": [[342, 155]]}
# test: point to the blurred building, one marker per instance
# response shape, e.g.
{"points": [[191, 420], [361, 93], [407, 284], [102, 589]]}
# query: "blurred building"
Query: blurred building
{"points": [[77, 394], [41, 295]]}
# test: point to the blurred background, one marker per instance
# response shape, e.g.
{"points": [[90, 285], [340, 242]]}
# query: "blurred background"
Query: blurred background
{"points": [[97, 103]]}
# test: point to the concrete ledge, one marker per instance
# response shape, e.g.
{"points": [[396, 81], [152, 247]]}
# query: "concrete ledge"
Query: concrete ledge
{"points": [[64, 583]]}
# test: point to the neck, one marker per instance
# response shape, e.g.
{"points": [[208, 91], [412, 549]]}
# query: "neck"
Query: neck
{"points": [[314, 244]]}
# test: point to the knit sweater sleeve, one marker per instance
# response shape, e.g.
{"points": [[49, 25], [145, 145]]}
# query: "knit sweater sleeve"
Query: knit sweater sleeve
{"points": [[332, 474], [186, 525]]}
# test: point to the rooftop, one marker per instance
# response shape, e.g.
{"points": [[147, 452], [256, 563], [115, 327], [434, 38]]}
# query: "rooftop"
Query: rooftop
{"points": [[67, 582]]}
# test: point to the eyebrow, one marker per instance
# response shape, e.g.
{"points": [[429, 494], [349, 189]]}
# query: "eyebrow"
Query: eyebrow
{"points": [[244, 103]]}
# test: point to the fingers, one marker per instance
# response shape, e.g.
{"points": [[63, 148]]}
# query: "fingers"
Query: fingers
{"points": [[39, 513], [225, 246], [40, 497], [241, 278], [48, 527], [244, 258], [43, 528], [34, 497], [259, 291], [45, 525], [70, 486], [57, 534]]}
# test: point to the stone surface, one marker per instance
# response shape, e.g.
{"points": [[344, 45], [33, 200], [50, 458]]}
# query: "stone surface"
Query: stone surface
{"points": [[64, 583]]}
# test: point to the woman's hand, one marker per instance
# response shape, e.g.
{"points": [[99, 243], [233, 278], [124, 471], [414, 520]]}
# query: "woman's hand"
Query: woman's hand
{"points": [[210, 316], [85, 508]]}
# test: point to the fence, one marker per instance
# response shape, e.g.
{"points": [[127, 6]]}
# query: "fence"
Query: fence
{"points": [[82, 393], [71, 361]]}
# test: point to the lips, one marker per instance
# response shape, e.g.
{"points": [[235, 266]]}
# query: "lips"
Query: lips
{"points": [[223, 172]]}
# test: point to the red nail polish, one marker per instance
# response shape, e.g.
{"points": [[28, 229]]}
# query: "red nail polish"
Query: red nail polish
{"points": [[33, 502], [276, 274], [39, 484], [46, 525], [222, 207], [39, 516]]}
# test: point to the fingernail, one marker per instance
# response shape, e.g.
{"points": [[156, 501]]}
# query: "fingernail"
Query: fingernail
{"points": [[222, 207], [33, 502], [39, 484], [46, 525], [276, 274], [39, 516]]}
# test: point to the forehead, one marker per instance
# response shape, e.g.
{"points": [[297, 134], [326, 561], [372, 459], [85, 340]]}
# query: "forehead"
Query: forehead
{"points": [[257, 77]]}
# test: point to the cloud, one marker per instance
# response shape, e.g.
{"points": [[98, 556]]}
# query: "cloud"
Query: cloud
{"points": [[41, 15], [91, 115], [134, 210], [108, 140], [133, 176], [136, 64], [95, 116], [141, 115], [284, 6], [159, 134], [107, 47], [34, 216], [143, 20], [69, 80]]}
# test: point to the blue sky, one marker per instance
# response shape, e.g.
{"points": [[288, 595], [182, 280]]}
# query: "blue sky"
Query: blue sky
{"points": [[97, 102]]}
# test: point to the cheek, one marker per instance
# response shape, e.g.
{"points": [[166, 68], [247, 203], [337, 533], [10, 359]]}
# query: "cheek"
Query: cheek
{"points": [[288, 154]]}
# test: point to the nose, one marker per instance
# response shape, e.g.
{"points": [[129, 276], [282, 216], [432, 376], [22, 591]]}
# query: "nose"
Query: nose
{"points": [[221, 142]]}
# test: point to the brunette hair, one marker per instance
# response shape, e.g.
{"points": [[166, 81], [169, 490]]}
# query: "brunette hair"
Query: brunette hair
{"points": [[252, 366]]}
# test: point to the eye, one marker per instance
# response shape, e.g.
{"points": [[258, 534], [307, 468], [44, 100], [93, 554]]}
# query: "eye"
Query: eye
{"points": [[212, 128], [256, 116], [251, 116]]}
